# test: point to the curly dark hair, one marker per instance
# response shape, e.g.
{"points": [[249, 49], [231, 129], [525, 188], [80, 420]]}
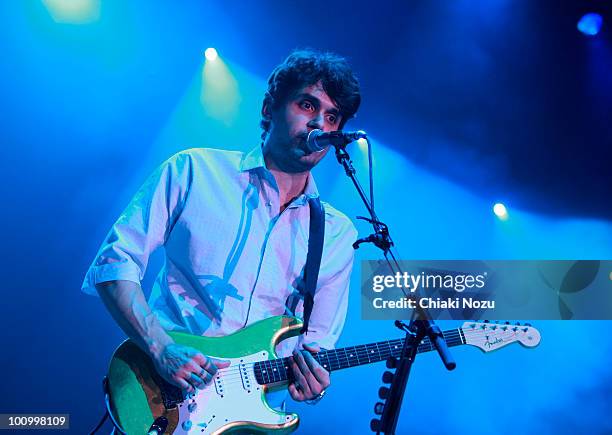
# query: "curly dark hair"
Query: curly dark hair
{"points": [[303, 68]]}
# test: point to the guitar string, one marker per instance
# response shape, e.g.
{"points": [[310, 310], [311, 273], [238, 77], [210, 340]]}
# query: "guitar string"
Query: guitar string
{"points": [[232, 375], [361, 353], [233, 378], [360, 349]]}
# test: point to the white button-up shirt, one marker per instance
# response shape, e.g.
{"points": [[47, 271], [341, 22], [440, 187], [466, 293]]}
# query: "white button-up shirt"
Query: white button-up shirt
{"points": [[230, 258]]}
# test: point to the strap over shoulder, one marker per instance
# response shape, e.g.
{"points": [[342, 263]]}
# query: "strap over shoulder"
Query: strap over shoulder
{"points": [[313, 258]]}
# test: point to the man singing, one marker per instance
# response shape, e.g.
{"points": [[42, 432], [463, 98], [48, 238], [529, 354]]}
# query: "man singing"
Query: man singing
{"points": [[234, 227]]}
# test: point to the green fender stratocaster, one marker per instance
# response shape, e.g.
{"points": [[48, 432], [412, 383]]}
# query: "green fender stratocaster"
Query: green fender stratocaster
{"points": [[235, 401]]}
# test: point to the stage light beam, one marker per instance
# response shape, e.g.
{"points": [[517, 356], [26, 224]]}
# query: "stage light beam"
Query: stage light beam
{"points": [[590, 24], [220, 95], [73, 11], [211, 54], [500, 211], [363, 145]]}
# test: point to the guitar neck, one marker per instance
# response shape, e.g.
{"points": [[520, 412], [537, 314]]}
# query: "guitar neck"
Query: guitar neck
{"points": [[278, 370]]}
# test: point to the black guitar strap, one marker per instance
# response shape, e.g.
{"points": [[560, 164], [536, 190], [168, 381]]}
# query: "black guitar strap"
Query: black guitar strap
{"points": [[313, 258]]}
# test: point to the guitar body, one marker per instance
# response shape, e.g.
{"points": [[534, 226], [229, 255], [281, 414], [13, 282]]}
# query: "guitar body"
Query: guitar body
{"points": [[233, 403]]}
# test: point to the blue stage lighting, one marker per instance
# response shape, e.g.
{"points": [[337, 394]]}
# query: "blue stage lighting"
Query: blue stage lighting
{"points": [[590, 24]]}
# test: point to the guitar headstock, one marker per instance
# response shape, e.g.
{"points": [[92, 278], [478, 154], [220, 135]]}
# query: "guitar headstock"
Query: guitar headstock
{"points": [[491, 336]]}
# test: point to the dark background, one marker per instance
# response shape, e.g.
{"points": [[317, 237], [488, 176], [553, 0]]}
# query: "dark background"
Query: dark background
{"points": [[468, 103]]}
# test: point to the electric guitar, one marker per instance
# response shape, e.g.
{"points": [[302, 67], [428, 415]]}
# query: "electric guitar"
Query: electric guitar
{"points": [[234, 401]]}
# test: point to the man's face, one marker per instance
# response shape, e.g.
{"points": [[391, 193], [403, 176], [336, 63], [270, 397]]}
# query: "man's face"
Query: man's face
{"points": [[305, 110]]}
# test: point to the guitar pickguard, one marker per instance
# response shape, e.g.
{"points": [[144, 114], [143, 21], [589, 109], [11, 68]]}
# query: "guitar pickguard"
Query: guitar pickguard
{"points": [[235, 402]]}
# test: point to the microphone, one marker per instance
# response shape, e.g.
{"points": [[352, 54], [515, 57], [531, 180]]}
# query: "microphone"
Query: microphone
{"points": [[159, 426], [318, 140]]}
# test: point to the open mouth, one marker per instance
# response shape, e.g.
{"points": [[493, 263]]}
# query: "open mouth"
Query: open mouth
{"points": [[300, 142]]}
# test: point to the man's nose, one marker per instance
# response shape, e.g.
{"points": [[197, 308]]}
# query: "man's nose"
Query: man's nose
{"points": [[316, 122]]}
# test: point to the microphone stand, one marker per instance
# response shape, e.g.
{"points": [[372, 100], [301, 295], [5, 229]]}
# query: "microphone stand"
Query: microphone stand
{"points": [[421, 324]]}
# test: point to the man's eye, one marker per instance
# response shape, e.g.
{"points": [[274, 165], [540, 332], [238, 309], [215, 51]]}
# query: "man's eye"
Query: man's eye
{"points": [[306, 105], [331, 119]]}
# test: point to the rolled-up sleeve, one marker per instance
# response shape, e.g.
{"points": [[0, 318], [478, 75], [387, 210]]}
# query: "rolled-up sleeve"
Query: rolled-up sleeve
{"points": [[143, 226], [331, 298]]}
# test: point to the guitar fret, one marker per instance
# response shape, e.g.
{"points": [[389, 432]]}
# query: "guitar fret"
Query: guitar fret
{"points": [[353, 354], [362, 351], [284, 364], [324, 355], [346, 361], [389, 350], [361, 355], [268, 371], [326, 365], [378, 350], [351, 357], [275, 371], [337, 360], [262, 372], [278, 370]]}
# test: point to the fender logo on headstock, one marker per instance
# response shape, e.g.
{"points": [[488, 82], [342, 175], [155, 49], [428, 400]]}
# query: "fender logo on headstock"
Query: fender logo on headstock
{"points": [[489, 344]]}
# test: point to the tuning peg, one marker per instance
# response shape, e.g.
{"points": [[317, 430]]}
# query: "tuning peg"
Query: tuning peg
{"points": [[391, 363], [485, 321], [518, 323], [383, 392], [527, 324], [387, 377], [506, 322], [378, 408]]}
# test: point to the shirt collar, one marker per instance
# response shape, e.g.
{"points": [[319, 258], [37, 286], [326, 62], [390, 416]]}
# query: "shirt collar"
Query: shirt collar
{"points": [[254, 159]]}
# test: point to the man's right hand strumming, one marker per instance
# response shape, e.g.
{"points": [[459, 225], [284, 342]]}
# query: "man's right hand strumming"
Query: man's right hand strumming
{"points": [[186, 367], [180, 365]]}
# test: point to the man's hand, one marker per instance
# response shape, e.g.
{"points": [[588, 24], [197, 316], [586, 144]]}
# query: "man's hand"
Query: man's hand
{"points": [[187, 368], [310, 378]]}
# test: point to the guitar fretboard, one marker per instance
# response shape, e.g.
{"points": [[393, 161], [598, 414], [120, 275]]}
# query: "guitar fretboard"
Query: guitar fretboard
{"points": [[279, 370]]}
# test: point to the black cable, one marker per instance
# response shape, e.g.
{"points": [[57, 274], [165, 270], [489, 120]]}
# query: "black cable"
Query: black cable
{"points": [[97, 428], [109, 413]]}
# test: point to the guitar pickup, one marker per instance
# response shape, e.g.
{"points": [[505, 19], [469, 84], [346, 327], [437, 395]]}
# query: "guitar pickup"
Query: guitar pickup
{"points": [[246, 377]]}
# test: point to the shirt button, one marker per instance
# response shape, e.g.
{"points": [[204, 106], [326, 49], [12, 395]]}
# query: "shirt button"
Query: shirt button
{"points": [[268, 204]]}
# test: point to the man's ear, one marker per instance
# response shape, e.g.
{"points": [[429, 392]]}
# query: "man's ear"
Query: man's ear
{"points": [[266, 112]]}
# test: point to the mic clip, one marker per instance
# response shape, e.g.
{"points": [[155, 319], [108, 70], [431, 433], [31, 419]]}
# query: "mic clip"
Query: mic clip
{"points": [[380, 238]]}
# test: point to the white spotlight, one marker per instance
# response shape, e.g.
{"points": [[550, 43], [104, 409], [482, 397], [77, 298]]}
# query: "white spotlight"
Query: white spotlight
{"points": [[210, 54], [500, 211]]}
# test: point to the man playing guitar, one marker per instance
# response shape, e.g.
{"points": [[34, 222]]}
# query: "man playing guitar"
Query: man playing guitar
{"points": [[234, 227]]}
